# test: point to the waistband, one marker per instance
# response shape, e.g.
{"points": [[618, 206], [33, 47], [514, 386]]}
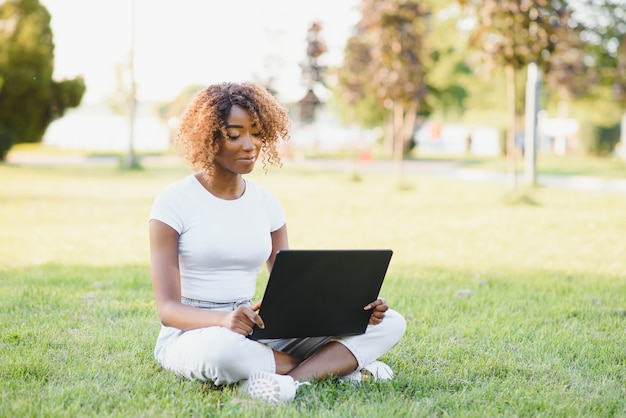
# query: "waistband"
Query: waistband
{"points": [[205, 304]]}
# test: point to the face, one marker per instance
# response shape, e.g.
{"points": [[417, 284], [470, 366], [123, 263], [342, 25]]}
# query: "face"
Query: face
{"points": [[240, 149]]}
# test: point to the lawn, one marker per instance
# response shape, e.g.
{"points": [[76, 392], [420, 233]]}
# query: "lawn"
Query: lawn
{"points": [[610, 167], [516, 306]]}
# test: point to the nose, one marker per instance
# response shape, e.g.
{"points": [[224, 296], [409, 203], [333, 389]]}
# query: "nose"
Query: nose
{"points": [[249, 142]]}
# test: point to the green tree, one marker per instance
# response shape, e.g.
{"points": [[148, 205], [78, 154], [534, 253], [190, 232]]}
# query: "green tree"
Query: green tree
{"points": [[387, 58], [619, 84], [29, 99], [312, 73], [353, 97], [605, 29], [171, 111], [511, 34]]}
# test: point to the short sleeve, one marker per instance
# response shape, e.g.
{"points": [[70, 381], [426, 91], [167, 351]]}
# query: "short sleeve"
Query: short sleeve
{"points": [[275, 212], [166, 208]]}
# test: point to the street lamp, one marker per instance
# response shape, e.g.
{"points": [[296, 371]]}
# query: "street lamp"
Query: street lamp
{"points": [[132, 100]]}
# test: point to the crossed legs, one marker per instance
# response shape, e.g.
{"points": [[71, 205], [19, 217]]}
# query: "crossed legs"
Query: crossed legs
{"points": [[332, 359]]}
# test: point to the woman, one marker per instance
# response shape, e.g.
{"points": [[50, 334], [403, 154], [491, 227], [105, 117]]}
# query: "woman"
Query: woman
{"points": [[209, 235]]}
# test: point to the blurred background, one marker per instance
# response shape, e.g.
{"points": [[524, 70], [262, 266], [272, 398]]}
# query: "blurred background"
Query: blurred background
{"points": [[363, 79]]}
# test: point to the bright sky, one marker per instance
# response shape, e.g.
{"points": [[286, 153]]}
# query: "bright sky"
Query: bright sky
{"points": [[183, 42]]}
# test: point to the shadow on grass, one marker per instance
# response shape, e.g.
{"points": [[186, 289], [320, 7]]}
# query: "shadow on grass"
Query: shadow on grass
{"points": [[520, 198]]}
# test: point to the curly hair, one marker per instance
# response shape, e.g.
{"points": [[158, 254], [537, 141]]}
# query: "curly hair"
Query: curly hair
{"points": [[203, 125]]}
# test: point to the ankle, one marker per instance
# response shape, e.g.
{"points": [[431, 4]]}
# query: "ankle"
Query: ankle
{"points": [[285, 363]]}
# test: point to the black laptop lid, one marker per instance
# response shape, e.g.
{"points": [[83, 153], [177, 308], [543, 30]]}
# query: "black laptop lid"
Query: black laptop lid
{"points": [[313, 293]]}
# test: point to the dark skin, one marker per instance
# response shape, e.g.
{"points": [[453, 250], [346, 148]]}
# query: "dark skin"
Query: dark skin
{"points": [[236, 156]]}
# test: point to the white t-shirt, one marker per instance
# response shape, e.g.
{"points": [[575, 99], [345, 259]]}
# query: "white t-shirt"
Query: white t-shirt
{"points": [[222, 243]]}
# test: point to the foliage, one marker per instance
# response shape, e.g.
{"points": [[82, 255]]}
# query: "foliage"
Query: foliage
{"points": [[387, 58], [597, 140], [395, 33], [517, 33], [176, 107], [450, 78], [29, 99], [313, 73], [511, 35], [605, 31], [119, 100]]}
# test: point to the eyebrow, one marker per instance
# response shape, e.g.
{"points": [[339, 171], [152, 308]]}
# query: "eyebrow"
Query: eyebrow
{"points": [[240, 126]]}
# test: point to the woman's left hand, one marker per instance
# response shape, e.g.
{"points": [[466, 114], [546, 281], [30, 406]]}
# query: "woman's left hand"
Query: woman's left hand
{"points": [[378, 308]]}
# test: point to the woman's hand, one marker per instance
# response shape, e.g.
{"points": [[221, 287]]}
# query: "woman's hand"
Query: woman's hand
{"points": [[242, 320], [378, 308], [256, 305]]}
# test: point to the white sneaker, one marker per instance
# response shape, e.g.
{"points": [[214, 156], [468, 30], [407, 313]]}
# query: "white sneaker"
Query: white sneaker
{"points": [[271, 387], [376, 371]]}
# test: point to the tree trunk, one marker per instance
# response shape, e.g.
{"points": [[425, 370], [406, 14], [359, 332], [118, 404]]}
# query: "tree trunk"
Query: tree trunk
{"points": [[510, 137], [622, 137], [410, 116], [404, 117], [398, 140], [388, 133]]}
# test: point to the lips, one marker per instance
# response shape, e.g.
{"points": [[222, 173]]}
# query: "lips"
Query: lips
{"points": [[248, 159]]}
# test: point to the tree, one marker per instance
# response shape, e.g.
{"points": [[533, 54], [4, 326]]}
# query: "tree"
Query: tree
{"points": [[619, 84], [354, 98], [312, 73], [446, 76], [171, 111], [29, 99], [511, 34], [387, 57], [605, 29]]}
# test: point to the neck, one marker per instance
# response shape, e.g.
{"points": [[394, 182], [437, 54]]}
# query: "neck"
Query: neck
{"points": [[230, 188]]}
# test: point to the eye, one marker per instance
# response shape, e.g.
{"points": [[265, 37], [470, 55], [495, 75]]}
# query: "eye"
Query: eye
{"points": [[256, 134], [232, 134]]}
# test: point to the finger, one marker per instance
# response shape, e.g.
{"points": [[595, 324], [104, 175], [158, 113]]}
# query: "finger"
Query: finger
{"points": [[254, 318], [259, 322], [375, 321], [371, 305], [243, 330], [378, 314], [374, 304], [382, 308], [256, 306]]}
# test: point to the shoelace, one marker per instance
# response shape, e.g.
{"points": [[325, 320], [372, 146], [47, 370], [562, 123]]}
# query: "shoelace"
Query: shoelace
{"points": [[298, 383]]}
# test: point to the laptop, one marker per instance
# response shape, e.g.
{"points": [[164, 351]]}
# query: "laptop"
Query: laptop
{"points": [[314, 293]]}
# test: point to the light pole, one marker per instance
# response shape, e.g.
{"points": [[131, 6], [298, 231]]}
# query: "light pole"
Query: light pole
{"points": [[533, 84], [132, 101]]}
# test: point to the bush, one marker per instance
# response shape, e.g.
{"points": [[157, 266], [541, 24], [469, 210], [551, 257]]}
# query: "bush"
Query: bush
{"points": [[7, 139], [599, 141]]}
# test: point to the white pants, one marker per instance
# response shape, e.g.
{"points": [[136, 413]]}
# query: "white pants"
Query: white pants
{"points": [[219, 355]]}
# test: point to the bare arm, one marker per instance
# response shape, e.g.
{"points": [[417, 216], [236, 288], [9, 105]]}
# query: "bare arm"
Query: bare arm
{"points": [[280, 241], [166, 285]]}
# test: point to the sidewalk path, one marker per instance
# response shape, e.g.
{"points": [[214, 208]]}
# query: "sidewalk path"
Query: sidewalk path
{"points": [[453, 170], [450, 169]]}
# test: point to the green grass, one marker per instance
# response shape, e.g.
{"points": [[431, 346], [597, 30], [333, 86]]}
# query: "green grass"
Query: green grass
{"points": [[610, 167], [515, 307]]}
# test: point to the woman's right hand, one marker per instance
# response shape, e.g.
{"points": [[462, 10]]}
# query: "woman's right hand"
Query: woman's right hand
{"points": [[242, 320]]}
